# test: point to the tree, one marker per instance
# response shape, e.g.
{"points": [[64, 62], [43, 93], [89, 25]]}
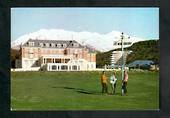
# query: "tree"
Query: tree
{"points": [[14, 55]]}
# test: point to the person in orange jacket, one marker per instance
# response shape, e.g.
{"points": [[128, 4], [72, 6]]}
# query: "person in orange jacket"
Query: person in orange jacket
{"points": [[104, 82]]}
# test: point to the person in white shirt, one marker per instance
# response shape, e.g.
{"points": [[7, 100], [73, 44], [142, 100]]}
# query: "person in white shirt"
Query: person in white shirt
{"points": [[113, 80]]}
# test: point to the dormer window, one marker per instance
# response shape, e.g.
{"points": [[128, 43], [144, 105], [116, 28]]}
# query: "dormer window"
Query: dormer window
{"points": [[76, 45], [41, 44], [64, 45], [47, 44], [59, 45], [31, 43], [52, 45]]}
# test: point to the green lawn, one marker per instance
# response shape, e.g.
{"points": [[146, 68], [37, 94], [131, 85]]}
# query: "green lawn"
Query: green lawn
{"points": [[81, 91]]}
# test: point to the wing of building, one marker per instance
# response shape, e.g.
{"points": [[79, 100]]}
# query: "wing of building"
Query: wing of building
{"points": [[56, 55], [116, 58]]}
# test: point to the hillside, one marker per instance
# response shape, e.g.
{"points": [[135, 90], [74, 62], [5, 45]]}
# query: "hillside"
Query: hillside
{"points": [[144, 50]]}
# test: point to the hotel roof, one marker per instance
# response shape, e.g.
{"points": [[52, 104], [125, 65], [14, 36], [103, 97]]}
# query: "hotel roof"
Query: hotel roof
{"points": [[42, 43]]}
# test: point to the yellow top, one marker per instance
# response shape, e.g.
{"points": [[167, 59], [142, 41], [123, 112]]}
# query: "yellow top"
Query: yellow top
{"points": [[103, 79]]}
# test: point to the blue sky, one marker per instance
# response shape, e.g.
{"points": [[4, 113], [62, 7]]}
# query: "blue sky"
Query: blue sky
{"points": [[139, 22]]}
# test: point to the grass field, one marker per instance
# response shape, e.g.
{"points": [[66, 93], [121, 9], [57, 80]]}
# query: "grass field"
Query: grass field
{"points": [[81, 91]]}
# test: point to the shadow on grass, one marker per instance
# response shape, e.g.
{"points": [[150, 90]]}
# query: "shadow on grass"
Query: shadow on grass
{"points": [[79, 90]]}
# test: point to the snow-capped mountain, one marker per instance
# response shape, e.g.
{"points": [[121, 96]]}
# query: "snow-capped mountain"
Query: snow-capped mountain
{"points": [[101, 42]]}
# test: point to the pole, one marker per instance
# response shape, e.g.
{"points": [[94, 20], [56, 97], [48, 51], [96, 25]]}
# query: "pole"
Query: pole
{"points": [[122, 37]]}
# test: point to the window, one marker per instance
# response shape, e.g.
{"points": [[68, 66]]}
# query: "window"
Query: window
{"points": [[78, 67], [64, 67], [31, 43], [47, 44], [74, 67], [44, 61], [41, 44], [52, 45], [65, 51], [54, 67], [59, 45], [127, 43], [64, 45], [49, 60], [57, 60], [37, 63], [76, 45]]}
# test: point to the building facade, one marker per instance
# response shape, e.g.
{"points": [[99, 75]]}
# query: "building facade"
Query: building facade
{"points": [[56, 55], [116, 57]]}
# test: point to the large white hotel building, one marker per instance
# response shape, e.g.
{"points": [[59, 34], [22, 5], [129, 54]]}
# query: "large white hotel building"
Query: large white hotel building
{"points": [[56, 55]]}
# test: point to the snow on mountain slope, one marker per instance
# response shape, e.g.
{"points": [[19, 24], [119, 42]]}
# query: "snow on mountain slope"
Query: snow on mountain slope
{"points": [[101, 42]]}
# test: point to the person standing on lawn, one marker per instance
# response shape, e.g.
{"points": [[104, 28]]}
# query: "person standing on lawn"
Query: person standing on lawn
{"points": [[113, 82], [104, 82], [125, 80]]}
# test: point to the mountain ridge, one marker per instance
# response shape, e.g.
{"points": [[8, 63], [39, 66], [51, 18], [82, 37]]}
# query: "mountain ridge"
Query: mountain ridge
{"points": [[101, 42]]}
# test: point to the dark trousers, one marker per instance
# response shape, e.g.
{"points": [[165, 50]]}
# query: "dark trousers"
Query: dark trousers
{"points": [[104, 88], [124, 87]]}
